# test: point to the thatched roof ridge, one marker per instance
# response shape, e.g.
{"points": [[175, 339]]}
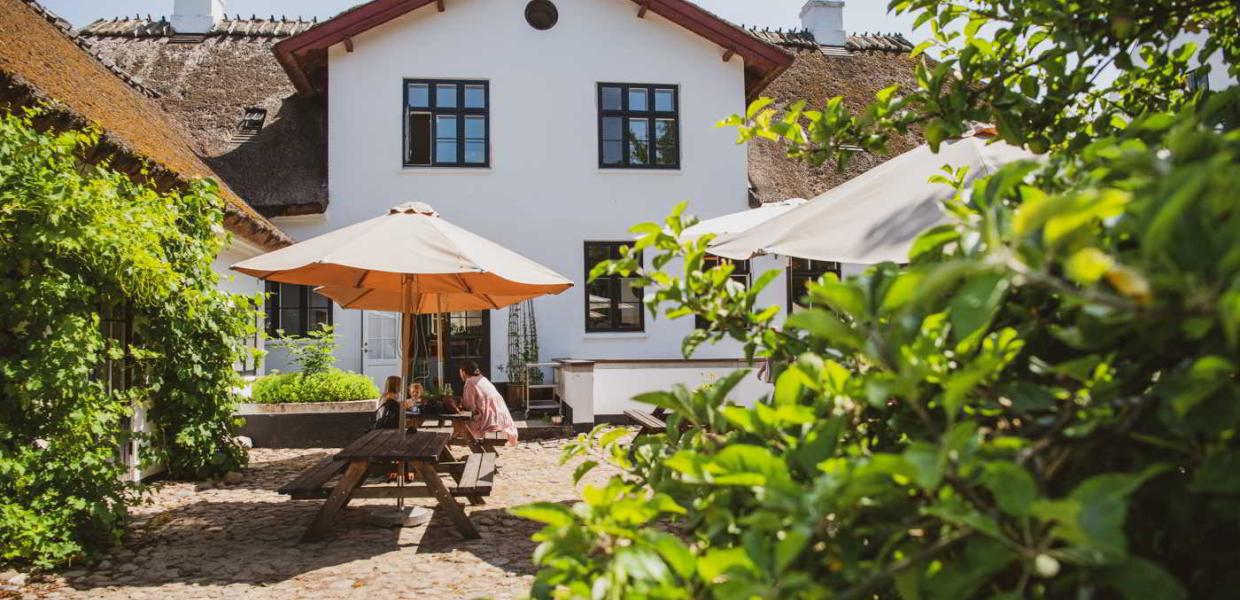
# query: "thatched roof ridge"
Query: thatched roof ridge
{"points": [[208, 82], [237, 26], [869, 63], [42, 63]]}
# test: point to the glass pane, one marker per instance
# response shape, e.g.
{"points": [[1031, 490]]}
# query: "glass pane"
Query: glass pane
{"points": [[418, 150], [613, 129], [639, 99], [445, 95], [290, 295], [475, 128], [419, 95], [387, 350], [319, 301], [475, 153], [639, 141], [445, 152], [596, 253], [665, 100], [599, 304], [666, 151], [445, 139], [611, 98], [291, 321], [630, 304], [318, 316], [475, 96], [613, 153]]}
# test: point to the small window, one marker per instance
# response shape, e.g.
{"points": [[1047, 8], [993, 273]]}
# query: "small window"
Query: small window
{"points": [[253, 120], [248, 365], [541, 14], [295, 309], [1199, 80], [447, 123], [639, 126], [613, 303], [740, 274], [802, 272]]}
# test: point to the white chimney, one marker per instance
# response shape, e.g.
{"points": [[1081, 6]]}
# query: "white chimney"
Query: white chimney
{"points": [[825, 19], [196, 16]]}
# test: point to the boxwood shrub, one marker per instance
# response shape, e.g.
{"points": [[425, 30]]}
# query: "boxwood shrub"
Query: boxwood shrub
{"points": [[332, 385]]}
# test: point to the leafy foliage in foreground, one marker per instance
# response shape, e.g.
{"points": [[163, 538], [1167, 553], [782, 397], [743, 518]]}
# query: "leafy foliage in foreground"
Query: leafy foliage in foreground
{"points": [[1042, 404], [76, 239]]}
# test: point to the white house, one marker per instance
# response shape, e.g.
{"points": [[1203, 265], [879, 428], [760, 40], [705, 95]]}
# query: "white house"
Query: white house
{"points": [[548, 126]]}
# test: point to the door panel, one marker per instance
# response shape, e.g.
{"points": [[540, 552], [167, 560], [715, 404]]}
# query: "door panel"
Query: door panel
{"points": [[381, 345]]}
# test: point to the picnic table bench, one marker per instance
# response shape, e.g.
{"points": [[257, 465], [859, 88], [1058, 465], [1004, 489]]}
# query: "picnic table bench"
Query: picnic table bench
{"points": [[426, 452], [650, 422]]}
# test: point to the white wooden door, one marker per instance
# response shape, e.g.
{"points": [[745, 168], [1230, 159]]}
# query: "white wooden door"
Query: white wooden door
{"points": [[381, 345]]}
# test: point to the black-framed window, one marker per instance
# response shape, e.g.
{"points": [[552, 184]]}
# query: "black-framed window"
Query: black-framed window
{"points": [[613, 303], [295, 309], [802, 272], [447, 123], [638, 126], [1199, 80], [740, 274]]}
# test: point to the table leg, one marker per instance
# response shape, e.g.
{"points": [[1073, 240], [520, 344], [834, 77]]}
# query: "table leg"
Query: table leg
{"points": [[446, 501], [353, 477]]}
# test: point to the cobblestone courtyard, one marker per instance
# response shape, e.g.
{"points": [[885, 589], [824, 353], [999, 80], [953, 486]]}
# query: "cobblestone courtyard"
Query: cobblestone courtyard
{"points": [[240, 541]]}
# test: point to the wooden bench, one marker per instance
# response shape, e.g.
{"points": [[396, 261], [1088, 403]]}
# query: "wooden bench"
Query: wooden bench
{"points": [[650, 422], [471, 478]]}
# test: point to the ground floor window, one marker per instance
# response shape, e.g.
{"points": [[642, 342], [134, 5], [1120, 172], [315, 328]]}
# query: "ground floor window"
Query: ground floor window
{"points": [[802, 272], [740, 274], [295, 310], [249, 361], [613, 303]]}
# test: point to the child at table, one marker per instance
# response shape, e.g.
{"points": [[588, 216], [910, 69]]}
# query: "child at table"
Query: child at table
{"points": [[490, 412], [388, 415], [415, 395]]}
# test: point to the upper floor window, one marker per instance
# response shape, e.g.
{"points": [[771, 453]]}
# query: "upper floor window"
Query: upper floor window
{"points": [[447, 123], [638, 126], [1199, 80], [740, 274], [802, 272], [295, 310], [613, 303]]}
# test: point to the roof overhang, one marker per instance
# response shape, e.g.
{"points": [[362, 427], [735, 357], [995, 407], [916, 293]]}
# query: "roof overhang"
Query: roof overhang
{"points": [[304, 56]]}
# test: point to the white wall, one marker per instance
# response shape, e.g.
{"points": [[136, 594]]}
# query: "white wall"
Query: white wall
{"points": [[237, 283], [544, 194], [616, 384]]}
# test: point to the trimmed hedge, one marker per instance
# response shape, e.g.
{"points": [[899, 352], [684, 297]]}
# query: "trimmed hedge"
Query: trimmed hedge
{"points": [[333, 385]]}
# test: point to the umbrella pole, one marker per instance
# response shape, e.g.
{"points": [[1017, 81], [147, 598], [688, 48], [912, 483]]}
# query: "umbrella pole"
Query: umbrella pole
{"points": [[404, 374]]}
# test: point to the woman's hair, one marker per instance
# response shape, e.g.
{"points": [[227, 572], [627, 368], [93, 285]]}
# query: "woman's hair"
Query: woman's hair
{"points": [[392, 386], [416, 389], [469, 367]]}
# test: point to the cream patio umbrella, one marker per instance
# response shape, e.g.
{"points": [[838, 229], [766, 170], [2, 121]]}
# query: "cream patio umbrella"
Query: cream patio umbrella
{"points": [[742, 221], [412, 261], [876, 216]]}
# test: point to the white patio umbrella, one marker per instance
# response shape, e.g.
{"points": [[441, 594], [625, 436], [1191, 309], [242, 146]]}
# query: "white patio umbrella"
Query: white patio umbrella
{"points": [[744, 220], [412, 261], [876, 216]]}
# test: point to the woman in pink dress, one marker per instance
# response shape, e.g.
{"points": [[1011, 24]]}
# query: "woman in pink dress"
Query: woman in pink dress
{"points": [[490, 412]]}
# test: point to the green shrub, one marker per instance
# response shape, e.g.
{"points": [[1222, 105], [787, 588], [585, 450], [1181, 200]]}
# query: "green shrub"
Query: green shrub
{"points": [[332, 385], [1042, 404], [77, 240]]}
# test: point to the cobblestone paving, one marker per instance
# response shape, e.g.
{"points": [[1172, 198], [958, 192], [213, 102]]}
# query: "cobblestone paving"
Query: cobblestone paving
{"points": [[241, 541]]}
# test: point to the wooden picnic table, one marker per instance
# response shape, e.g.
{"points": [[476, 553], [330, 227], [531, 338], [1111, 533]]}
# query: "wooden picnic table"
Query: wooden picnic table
{"points": [[459, 432], [425, 452]]}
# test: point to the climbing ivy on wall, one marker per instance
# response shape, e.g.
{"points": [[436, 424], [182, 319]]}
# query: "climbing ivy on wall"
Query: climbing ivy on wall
{"points": [[78, 241]]}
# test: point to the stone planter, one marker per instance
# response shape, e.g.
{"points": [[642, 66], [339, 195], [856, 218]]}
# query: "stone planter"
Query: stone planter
{"points": [[306, 425]]}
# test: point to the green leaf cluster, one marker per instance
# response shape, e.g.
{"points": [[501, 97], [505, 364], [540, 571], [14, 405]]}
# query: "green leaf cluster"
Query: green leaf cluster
{"points": [[1041, 403], [76, 240], [332, 385]]}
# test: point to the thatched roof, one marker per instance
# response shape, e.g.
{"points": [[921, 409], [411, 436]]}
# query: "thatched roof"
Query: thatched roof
{"points": [[208, 82], [869, 63], [42, 62]]}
